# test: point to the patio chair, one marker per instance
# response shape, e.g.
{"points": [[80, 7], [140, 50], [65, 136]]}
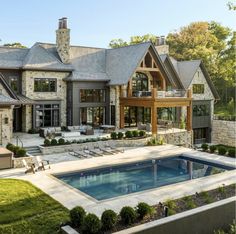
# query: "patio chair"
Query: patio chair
{"points": [[109, 145], [96, 152], [42, 164], [91, 152], [79, 154], [28, 168], [106, 150]]}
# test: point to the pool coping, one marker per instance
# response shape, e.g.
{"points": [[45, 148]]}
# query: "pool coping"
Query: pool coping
{"points": [[71, 197]]}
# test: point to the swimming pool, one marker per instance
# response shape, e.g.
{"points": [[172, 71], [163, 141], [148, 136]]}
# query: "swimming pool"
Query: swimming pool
{"points": [[114, 181]]}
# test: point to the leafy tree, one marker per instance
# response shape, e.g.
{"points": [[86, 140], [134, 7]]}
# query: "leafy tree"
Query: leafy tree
{"points": [[231, 6], [15, 45], [115, 43]]}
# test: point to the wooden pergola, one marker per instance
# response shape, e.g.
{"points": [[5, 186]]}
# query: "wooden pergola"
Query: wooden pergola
{"points": [[153, 102]]}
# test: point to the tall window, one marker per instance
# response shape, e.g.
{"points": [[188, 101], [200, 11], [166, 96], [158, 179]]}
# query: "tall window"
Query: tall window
{"points": [[201, 110], [92, 95], [47, 115], [139, 82], [198, 88], [92, 115], [45, 85]]}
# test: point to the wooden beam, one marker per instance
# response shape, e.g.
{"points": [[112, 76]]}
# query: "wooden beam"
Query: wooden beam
{"points": [[189, 117], [147, 69], [154, 120]]}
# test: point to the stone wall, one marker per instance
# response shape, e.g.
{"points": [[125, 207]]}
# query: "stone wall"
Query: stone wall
{"points": [[6, 124], [17, 162], [60, 94], [182, 137], [223, 132]]}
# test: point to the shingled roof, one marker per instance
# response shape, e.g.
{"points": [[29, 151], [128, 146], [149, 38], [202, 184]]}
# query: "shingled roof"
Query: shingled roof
{"points": [[39, 58]]}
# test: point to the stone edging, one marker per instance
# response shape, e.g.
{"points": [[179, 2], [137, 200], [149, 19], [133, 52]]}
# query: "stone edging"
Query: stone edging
{"points": [[17, 162]]}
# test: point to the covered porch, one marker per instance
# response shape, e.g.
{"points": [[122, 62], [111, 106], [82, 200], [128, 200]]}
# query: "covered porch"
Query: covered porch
{"points": [[153, 103]]}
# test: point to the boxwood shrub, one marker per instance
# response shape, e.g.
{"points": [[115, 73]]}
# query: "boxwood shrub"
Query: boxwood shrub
{"points": [[21, 152], [222, 150], [231, 153], [120, 135], [77, 215], [143, 209], [61, 141], [91, 224], [47, 142], [204, 147], [127, 215], [108, 219], [128, 134], [113, 135], [135, 133], [212, 148], [54, 142], [142, 133]]}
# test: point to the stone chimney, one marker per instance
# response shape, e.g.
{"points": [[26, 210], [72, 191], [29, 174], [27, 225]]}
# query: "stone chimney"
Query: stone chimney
{"points": [[161, 46], [63, 40]]}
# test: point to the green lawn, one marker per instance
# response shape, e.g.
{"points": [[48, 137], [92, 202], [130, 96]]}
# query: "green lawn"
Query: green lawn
{"points": [[26, 209]]}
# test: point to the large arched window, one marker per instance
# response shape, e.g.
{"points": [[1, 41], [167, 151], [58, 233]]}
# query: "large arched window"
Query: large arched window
{"points": [[139, 82]]}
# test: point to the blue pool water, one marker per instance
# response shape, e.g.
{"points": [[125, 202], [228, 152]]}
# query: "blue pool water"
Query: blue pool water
{"points": [[109, 182]]}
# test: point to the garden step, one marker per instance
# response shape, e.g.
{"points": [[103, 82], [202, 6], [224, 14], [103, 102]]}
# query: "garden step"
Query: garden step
{"points": [[33, 150]]}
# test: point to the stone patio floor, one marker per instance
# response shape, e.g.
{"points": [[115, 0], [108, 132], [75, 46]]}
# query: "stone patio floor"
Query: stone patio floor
{"points": [[71, 197]]}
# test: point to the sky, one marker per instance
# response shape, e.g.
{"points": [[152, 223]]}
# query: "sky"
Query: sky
{"points": [[96, 22]]}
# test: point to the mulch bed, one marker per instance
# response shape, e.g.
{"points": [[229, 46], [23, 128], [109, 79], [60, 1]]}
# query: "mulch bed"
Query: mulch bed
{"points": [[183, 204]]}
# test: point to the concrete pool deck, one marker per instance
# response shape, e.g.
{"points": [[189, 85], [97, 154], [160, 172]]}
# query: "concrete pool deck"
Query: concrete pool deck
{"points": [[71, 197]]}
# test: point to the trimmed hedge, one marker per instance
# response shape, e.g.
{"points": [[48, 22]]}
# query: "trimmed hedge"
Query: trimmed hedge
{"points": [[91, 224], [108, 219], [77, 215], [212, 148], [222, 150], [231, 153], [143, 209], [128, 215], [204, 147]]}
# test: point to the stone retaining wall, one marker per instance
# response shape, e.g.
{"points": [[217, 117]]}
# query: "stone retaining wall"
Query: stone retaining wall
{"points": [[17, 162], [183, 137], [223, 132], [118, 143]]}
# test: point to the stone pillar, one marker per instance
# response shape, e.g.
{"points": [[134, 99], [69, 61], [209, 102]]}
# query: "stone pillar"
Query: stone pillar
{"points": [[27, 118], [122, 117], [189, 112]]}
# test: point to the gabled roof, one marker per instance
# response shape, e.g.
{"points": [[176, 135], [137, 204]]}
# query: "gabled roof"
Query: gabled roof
{"points": [[40, 59], [5, 100], [12, 58], [7, 87], [171, 68], [122, 62], [187, 70]]}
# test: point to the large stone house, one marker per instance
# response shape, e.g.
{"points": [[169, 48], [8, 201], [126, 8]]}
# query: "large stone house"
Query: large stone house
{"points": [[63, 85]]}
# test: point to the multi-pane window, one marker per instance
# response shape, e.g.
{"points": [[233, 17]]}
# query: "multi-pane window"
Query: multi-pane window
{"points": [[92, 95], [45, 85], [139, 82], [47, 115], [198, 88], [92, 115], [201, 110]]}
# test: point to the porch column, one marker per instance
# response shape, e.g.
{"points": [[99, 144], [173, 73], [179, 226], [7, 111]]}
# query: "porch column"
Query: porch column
{"points": [[189, 112], [154, 120], [122, 117]]}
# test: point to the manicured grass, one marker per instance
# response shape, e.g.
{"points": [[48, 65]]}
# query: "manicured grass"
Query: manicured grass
{"points": [[26, 209]]}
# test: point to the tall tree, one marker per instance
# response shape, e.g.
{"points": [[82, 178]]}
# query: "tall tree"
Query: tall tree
{"points": [[215, 45], [15, 45], [115, 43]]}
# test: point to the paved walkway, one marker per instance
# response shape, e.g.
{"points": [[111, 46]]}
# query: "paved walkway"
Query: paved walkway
{"points": [[71, 197]]}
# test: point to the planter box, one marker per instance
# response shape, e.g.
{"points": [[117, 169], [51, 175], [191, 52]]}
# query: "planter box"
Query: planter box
{"points": [[204, 220], [5, 158], [119, 143]]}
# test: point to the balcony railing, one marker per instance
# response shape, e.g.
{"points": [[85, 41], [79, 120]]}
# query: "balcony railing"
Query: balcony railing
{"points": [[159, 94]]}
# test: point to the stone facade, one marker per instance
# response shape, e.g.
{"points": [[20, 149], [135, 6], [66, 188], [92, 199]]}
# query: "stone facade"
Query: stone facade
{"points": [[6, 124], [115, 100], [178, 138], [6, 120], [199, 78], [63, 44], [28, 91], [223, 132]]}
